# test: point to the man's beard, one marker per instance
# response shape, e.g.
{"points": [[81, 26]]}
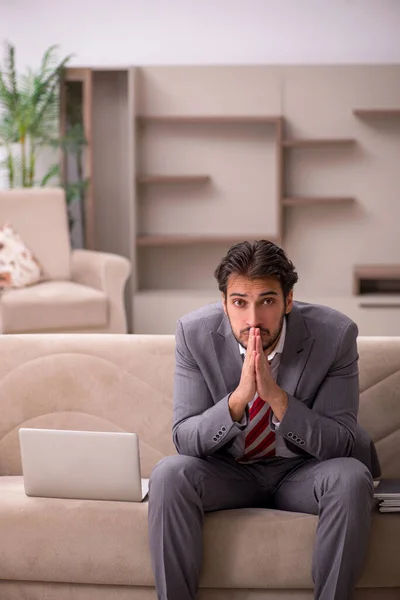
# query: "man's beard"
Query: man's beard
{"points": [[268, 339]]}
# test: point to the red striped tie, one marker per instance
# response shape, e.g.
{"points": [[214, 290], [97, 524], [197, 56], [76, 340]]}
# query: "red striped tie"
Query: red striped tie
{"points": [[260, 439]]}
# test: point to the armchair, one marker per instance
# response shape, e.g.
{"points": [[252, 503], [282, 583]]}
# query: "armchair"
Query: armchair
{"points": [[81, 291]]}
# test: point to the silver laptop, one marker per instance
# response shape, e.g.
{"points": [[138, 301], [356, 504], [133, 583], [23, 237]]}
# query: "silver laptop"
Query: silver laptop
{"points": [[89, 465]]}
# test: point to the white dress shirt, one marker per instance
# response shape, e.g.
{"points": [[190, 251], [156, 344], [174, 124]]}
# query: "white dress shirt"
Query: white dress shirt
{"points": [[275, 359]]}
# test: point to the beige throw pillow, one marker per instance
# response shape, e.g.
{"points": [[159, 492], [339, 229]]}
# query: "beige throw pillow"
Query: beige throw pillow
{"points": [[18, 266]]}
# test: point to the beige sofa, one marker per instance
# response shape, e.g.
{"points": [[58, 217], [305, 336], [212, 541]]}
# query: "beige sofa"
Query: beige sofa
{"points": [[82, 291], [84, 550]]}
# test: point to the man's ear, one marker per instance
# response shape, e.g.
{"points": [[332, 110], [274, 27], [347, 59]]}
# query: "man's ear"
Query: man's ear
{"points": [[289, 302], [224, 303]]}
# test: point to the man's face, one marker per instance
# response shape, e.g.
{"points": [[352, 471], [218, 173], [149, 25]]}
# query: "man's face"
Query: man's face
{"points": [[256, 303]]}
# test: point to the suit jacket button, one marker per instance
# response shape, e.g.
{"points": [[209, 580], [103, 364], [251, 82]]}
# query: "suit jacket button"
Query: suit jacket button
{"points": [[290, 435], [223, 428], [215, 438]]}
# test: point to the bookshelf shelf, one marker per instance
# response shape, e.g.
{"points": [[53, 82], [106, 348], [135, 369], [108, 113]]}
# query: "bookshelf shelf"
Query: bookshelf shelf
{"points": [[313, 200], [381, 113], [377, 271], [172, 179], [210, 119], [318, 142], [186, 240]]}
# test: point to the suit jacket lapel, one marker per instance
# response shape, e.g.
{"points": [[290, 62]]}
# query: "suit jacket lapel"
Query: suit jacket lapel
{"points": [[227, 353], [296, 351]]}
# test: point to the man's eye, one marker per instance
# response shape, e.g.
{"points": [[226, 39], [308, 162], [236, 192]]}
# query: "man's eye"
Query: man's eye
{"points": [[238, 302], [269, 301]]}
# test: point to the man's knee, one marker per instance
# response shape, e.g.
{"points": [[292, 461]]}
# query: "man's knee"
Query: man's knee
{"points": [[172, 473], [349, 476]]}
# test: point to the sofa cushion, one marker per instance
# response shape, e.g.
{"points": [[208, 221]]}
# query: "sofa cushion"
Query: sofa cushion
{"points": [[52, 305], [44, 539]]}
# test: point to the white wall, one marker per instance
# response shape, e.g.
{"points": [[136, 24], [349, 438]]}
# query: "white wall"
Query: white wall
{"points": [[143, 32]]}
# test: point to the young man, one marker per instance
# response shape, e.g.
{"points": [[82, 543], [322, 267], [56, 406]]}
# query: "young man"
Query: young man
{"points": [[265, 414]]}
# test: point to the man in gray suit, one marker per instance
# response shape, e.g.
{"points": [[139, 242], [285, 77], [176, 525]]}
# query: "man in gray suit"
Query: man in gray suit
{"points": [[265, 414]]}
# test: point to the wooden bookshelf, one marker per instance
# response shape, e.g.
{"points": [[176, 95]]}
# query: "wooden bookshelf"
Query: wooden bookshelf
{"points": [[210, 119], [313, 200], [172, 179], [185, 240], [186, 133], [381, 113], [318, 142]]}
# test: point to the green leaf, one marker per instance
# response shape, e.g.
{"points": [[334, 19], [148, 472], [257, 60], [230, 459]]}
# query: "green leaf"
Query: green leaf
{"points": [[73, 141], [9, 164], [8, 132], [17, 171], [75, 191], [53, 171], [8, 86]]}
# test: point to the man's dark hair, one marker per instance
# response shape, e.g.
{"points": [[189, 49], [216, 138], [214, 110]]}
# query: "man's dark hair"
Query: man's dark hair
{"points": [[256, 260]]}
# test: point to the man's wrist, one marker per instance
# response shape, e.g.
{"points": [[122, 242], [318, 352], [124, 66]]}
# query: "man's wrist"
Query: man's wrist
{"points": [[279, 404], [237, 407]]}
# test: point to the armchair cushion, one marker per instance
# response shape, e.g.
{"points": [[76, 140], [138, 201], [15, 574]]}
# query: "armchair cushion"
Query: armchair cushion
{"points": [[40, 217], [53, 305]]}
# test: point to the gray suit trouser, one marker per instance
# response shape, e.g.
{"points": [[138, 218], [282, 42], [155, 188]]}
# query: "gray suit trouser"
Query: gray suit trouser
{"points": [[183, 488]]}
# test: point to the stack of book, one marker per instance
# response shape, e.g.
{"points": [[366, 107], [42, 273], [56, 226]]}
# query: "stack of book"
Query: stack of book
{"points": [[388, 494]]}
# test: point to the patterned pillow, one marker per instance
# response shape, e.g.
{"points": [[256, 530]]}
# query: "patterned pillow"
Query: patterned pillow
{"points": [[18, 266]]}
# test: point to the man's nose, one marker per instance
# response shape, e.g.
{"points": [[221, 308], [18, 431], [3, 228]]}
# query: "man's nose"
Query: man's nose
{"points": [[253, 318]]}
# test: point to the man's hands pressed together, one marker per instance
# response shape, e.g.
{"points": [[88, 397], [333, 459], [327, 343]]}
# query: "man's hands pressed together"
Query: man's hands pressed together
{"points": [[257, 377]]}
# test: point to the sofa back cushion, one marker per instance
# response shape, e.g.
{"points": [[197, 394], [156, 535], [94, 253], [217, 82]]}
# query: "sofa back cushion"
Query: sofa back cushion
{"points": [[39, 216], [380, 398], [116, 382], [98, 382]]}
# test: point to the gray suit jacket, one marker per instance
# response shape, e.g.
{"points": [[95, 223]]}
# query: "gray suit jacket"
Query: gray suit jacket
{"points": [[318, 370]]}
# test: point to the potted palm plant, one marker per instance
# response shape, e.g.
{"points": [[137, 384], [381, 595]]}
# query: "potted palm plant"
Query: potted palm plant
{"points": [[30, 122], [29, 116]]}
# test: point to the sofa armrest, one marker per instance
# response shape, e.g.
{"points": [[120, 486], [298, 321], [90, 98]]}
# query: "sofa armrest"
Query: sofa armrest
{"points": [[108, 273]]}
